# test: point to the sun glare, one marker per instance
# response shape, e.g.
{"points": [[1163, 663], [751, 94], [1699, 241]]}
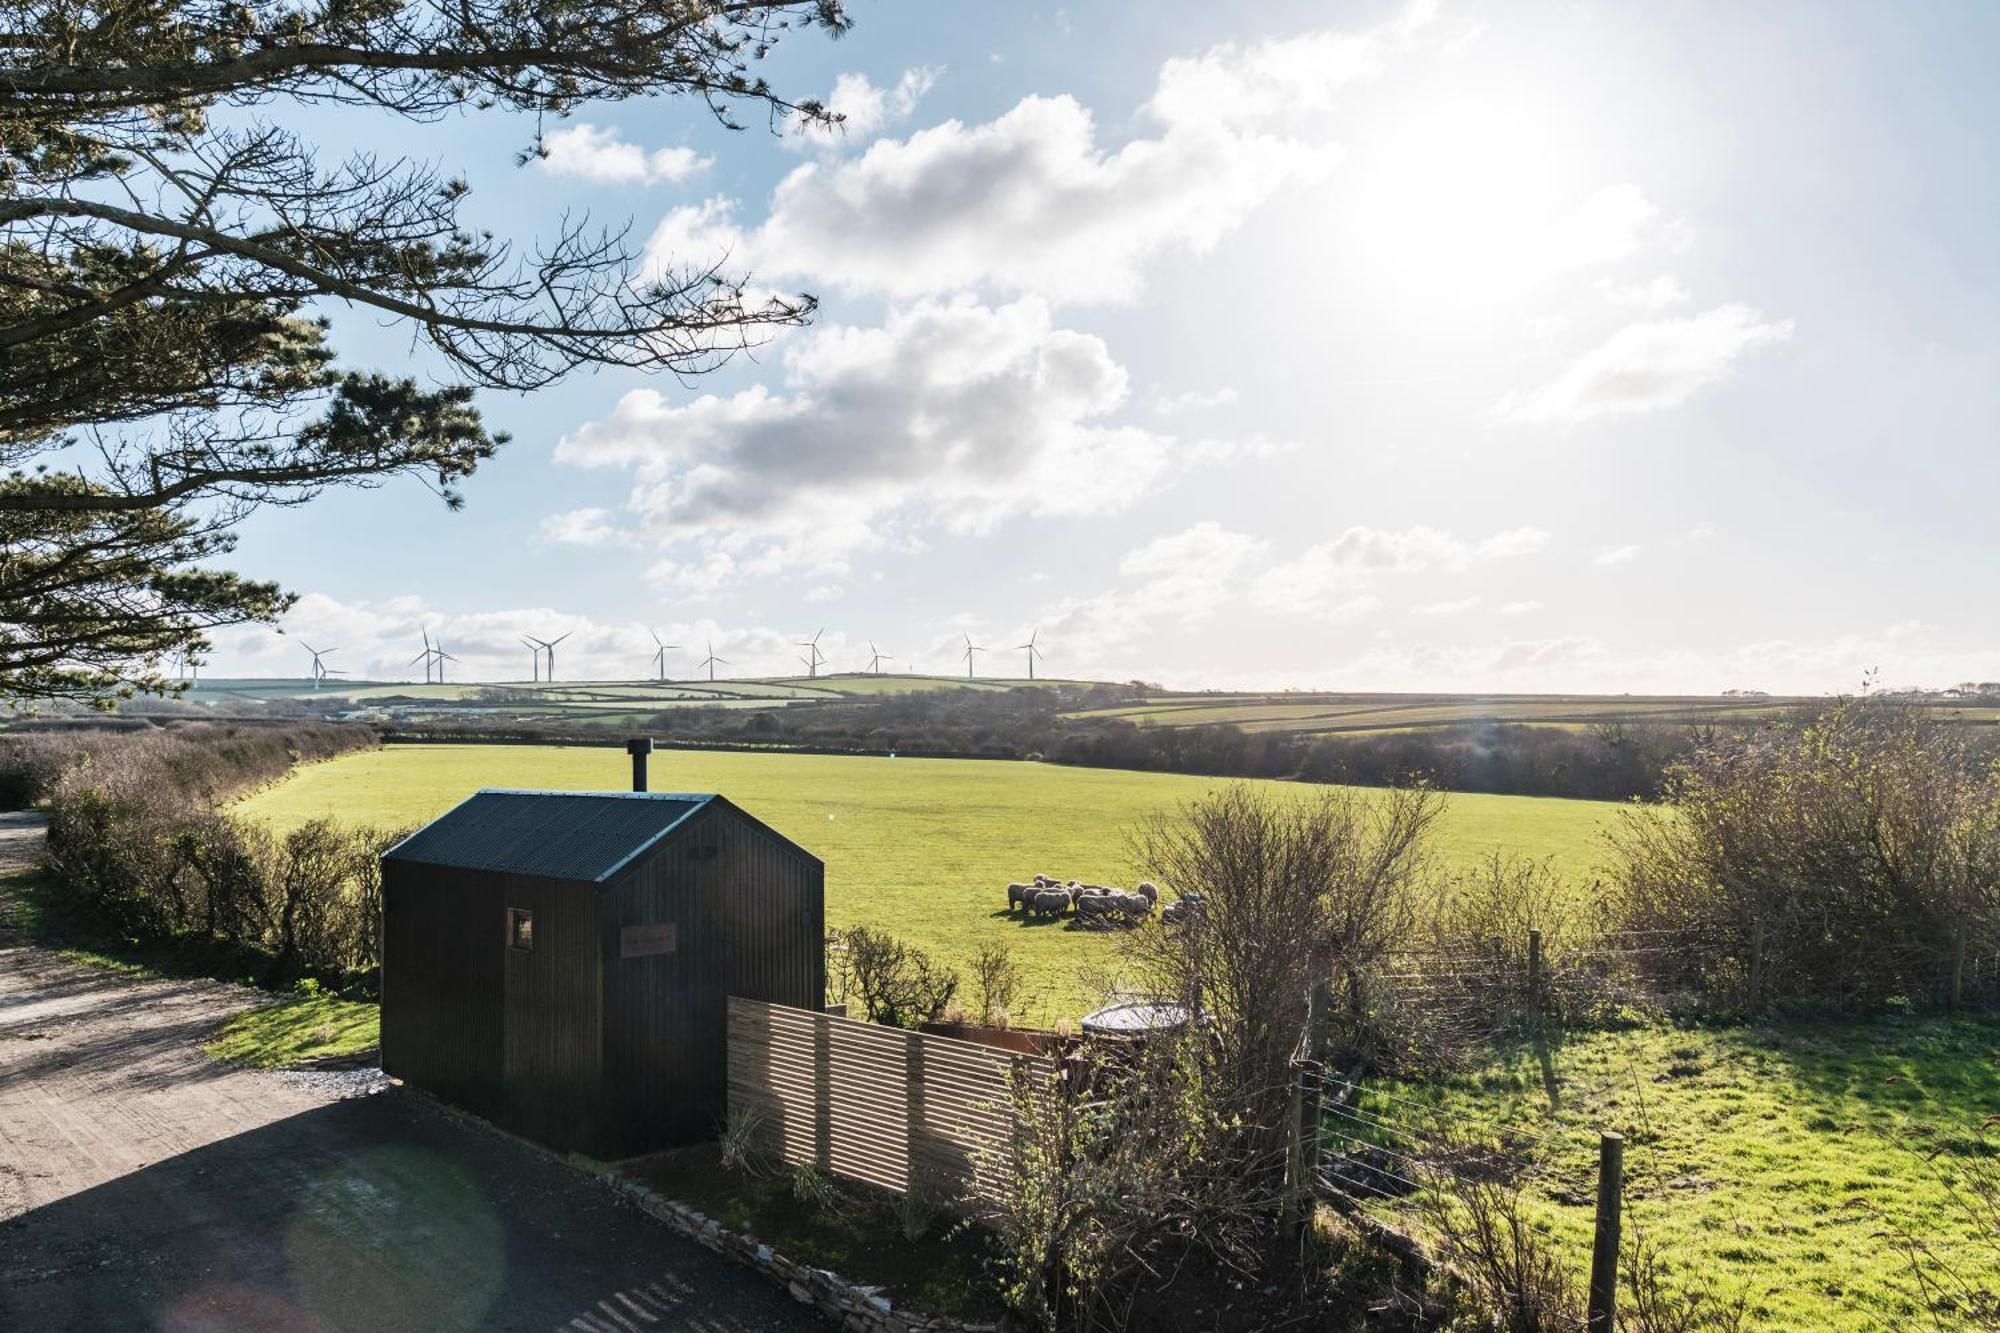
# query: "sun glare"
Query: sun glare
{"points": [[1466, 197]]}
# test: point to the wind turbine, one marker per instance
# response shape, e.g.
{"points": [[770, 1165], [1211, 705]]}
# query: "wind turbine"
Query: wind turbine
{"points": [[970, 649], [442, 657], [549, 646], [534, 659], [319, 671], [712, 662], [660, 657], [812, 662], [875, 659], [1033, 652], [427, 656]]}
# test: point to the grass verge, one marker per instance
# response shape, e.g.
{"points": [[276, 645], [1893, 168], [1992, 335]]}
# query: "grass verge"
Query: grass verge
{"points": [[305, 1027], [1775, 1160]]}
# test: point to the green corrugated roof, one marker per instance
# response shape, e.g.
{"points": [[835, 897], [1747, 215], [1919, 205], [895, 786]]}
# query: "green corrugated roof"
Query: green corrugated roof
{"points": [[558, 834]]}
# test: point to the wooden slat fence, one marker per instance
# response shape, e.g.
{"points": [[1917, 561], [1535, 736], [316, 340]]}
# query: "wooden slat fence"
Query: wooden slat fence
{"points": [[896, 1109]]}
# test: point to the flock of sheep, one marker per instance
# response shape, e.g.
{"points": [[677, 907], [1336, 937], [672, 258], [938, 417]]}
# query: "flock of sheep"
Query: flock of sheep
{"points": [[1096, 905]]}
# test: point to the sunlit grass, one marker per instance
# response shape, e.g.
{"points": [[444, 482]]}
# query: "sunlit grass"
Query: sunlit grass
{"points": [[304, 1027], [1770, 1160], [922, 847]]}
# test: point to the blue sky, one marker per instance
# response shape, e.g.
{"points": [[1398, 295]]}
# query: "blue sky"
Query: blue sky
{"points": [[1475, 347]]}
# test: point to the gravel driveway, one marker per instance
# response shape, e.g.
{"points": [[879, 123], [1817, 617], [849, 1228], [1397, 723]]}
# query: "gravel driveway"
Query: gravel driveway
{"points": [[144, 1186]]}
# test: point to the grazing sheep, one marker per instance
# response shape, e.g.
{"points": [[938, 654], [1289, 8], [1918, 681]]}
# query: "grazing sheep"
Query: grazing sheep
{"points": [[1048, 902], [1188, 907], [1078, 892], [1017, 895], [1047, 882], [1095, 907], [1150, 889], [1133, 905]]}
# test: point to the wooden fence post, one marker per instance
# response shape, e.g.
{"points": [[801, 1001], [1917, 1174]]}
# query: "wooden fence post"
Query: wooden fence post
{"points": [[1288, 1217], [1534, 980], [822, 1092], [1319, 1019], [1603, 1312], [913, 1113]]}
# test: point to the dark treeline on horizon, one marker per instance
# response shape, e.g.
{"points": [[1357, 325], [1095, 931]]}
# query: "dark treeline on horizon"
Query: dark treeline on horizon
{"points": [[1608, 761]]}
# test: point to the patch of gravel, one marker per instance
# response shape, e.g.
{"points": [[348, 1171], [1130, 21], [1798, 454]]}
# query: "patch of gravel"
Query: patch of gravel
{"points": [[334, 1084]]}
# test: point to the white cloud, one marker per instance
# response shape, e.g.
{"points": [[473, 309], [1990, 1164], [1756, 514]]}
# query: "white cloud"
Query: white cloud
{"points": [[1518, 608], [1615, 555], [1648, 366], [598, 153], [1659, 293], [700, 577], [952, 414], [1031, 201], [1180, 580], [1332, 578], [1193, 572], [1194, 401], [584, 527], [1449, 608], [863, 108]]}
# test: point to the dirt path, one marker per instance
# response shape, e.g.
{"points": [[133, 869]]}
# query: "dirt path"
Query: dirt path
{"points": [[102, 1073], [142, 1185]]}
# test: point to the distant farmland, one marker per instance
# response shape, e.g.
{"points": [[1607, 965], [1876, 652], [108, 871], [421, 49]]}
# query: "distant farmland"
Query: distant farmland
{"points": [[585, 704], [1333, 713]]}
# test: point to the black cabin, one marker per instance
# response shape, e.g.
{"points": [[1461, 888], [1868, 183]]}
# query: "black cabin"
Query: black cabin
{"points": [[561, 962]]}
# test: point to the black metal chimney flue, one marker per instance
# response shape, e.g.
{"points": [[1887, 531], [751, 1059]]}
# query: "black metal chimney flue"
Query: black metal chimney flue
{"points": [[639, 747]]}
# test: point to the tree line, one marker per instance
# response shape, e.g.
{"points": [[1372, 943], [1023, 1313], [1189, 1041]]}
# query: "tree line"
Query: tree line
{"points": [[1609, 761]]}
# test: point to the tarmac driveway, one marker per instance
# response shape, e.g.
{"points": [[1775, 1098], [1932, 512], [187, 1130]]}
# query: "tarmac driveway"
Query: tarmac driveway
{"points": [[144, 1186]]}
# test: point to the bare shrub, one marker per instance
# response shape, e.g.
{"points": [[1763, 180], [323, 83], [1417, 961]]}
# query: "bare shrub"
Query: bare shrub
{"points": [[1512, 1274], [132, 858], [996, 983], [198, 762], [1655, 1303], [1300, 894], [894, 983], [1131, 1158], [1844, 858]]}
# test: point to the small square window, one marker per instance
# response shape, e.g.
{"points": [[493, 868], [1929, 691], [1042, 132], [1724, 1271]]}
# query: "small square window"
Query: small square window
{"points": [[520, 928]]}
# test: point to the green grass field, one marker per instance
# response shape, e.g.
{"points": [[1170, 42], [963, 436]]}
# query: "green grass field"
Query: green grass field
{"points": [[922, 847], [1770, 1159]]}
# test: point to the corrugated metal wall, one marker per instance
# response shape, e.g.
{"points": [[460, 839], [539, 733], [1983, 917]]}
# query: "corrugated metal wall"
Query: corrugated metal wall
{"points": [[749, 918]]}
